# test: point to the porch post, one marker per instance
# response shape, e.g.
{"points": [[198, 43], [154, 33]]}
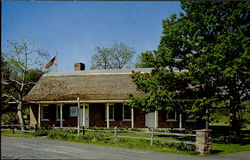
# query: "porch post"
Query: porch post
{"points": [[180, 122], [61, 116], [83, 115], [132, 118], [156, 119], [78, 115], [107, 116], [39, 115]]}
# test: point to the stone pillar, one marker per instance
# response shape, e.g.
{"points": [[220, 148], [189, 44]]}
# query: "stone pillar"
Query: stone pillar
{"points": [[203, 141]]}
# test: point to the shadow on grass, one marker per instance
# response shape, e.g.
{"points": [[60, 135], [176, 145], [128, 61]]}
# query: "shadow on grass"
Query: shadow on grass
{"points": [[216, 151], [243, 139]]}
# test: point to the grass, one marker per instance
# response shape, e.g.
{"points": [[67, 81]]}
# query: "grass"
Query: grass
{"points": [[218, 145], [130, 143], [229, 148], [17, 134]]}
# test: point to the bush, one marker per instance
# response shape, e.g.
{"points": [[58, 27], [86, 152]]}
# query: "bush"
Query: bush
{"points": [[182, 146], [93, 136], [8, 118], [41, 132]]}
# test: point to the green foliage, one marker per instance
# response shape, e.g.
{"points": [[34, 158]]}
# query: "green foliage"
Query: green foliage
{"points": [[144, 60], [118, 56], [178, 146], [42, 132], [9, 118], [202, 61]]}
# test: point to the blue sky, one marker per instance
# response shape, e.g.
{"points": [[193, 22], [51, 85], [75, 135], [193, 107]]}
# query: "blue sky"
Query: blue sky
{"points": [[74, 29]]}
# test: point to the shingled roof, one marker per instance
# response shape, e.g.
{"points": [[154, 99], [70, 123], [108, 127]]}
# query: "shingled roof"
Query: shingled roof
{"points": [[110, 84]]}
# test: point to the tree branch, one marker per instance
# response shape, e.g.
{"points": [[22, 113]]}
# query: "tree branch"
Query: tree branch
{"points": [[10, 96]]}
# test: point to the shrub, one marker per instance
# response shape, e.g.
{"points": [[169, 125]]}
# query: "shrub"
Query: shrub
{"points": [[182, 146], [91, 136], [8, 118], [41, 132]]}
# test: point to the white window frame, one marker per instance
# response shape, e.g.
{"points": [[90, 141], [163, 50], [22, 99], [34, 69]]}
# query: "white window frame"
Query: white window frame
{"points": [[58, 113], [42, 107], [113, 106], [172, 120], [123, 113]]}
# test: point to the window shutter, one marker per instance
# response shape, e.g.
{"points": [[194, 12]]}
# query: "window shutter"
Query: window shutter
{"points": [[52, 111], [103, 111], [134, 114], [118, 111], [65, 112], [164, 115]]}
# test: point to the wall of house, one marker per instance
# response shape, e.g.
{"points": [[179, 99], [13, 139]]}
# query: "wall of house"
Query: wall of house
{"points": [[97, 118]]}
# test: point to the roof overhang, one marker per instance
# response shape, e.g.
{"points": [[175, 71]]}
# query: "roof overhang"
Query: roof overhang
{"points": [[81, 101]]}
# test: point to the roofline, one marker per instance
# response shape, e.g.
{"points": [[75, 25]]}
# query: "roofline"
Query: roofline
{"points": [[81, 101]]}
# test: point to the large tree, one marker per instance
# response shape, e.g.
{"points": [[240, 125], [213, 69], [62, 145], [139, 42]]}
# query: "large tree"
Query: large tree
{"points": [[118, 56], [208, 45], [144, 60], [22, 66]]}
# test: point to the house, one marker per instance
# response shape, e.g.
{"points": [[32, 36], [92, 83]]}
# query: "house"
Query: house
{"points": [[95, 98]]}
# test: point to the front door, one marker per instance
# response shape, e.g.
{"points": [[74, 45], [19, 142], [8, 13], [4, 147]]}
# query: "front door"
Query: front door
{"points": [[86, 116], [150, 120]]}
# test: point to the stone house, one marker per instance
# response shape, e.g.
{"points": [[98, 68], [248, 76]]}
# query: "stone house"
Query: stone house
{"points": [[95, 98]]}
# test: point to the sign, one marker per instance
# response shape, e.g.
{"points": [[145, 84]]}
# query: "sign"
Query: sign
{"points": [[73, 111]]}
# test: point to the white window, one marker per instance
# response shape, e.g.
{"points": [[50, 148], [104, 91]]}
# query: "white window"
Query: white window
{"points": [[44, 112], [58, 113], [111, 112], [171, 116], [73, 111], [126, 112]]}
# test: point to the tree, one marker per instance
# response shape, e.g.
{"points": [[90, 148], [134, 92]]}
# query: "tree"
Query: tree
{"points": [[143, 60], [118, 56], [22, 68], [209, 44]]}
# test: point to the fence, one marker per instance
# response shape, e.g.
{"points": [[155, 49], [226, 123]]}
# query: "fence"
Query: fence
{"points": [[202, 143], [152, 133]]}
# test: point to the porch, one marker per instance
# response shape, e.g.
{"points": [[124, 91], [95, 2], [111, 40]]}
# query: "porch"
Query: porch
{"points": [[72, 114]]}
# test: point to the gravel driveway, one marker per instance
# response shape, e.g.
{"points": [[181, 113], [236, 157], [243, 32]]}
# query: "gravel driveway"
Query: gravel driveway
{"points": [[40, 148]]}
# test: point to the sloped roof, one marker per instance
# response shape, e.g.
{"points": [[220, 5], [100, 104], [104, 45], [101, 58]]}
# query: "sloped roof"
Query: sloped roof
{"points": [[110, 84]]}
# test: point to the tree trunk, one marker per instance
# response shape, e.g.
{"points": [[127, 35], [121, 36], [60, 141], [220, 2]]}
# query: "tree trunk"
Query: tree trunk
{"points": [[234, 121], [20, 114]]}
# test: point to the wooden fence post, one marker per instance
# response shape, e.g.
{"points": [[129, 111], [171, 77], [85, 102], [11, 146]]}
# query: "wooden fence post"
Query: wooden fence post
{"points": [[83, 131], [152, 137], [115, 133], [36, 127], [12, 127]]}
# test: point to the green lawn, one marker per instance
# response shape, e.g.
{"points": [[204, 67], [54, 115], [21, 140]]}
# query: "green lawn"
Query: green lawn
{"points": [[218, 146], [17, 134], [229, 148]]}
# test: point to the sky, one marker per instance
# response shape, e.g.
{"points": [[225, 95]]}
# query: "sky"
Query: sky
{"points": [[74, 29]]}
